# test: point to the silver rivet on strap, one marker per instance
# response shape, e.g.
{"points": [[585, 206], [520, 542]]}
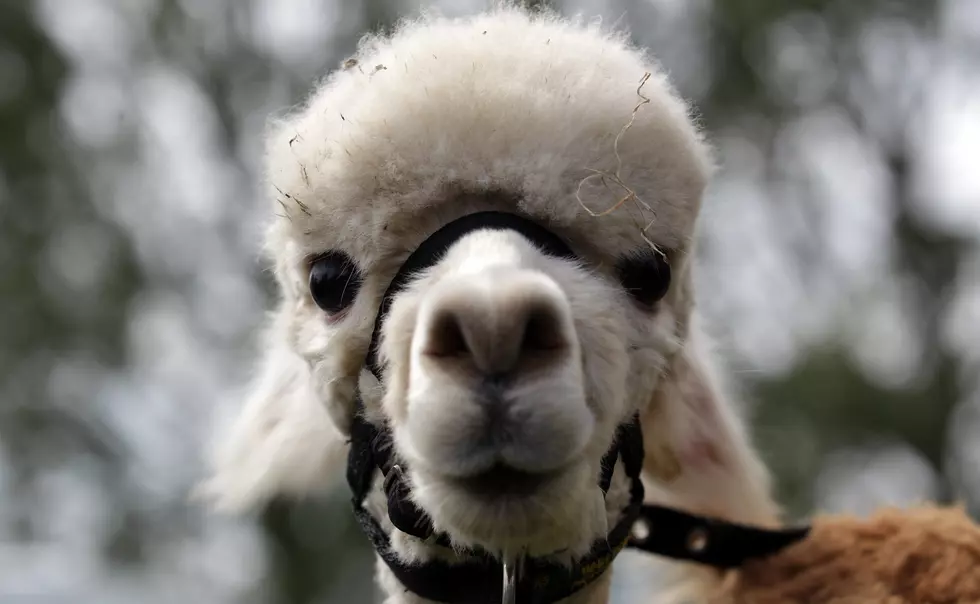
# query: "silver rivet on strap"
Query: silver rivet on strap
{"points": [[697, 540], [640, 531]]}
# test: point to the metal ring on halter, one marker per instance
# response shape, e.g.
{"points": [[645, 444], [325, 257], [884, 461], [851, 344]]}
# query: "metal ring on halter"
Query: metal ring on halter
{"points": [[513, 569]]}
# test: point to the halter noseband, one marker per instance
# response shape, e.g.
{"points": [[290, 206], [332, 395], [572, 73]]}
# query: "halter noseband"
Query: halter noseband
{"points": [[480, 578]]}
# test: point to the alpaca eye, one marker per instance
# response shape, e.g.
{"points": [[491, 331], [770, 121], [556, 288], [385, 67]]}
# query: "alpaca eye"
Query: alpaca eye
{"points": [[645, 276], [334, 281]]}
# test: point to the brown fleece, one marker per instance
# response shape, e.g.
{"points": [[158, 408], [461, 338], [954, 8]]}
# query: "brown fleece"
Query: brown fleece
{"points": [[924, 555]]}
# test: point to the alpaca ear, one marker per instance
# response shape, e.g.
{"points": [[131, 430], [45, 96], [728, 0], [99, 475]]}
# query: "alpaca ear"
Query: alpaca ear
{"points": [[283, 442], [698, 454]]}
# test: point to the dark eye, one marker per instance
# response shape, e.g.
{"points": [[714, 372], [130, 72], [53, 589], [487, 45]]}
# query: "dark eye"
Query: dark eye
{"points": [[334, 281], [645, 276]]}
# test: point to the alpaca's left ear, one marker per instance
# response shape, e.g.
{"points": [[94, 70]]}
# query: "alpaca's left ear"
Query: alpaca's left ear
{"points": [[699, 456], [283, 441]]}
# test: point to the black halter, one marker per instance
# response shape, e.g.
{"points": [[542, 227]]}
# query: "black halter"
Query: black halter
{"points": [[478, 579]]}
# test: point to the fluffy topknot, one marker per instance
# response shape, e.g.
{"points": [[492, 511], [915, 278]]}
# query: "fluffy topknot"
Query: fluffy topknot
{"points": [[529, 104]]}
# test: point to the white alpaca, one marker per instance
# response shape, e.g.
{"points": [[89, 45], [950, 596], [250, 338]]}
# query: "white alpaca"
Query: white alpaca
{"points": [[512, 112]]}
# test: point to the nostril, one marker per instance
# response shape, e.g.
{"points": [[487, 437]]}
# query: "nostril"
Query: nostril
{"points": [[542, 331], [446, 338]]}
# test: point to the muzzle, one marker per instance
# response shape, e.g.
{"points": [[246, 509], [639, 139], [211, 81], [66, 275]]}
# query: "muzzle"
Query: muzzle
{"points": [[483, 579]]}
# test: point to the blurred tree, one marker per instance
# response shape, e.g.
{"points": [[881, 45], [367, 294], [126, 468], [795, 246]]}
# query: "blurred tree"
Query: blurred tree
{"points": [[47, 311], [827, 395]]}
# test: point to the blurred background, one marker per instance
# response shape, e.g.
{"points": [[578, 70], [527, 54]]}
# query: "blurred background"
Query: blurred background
{"points": [[841, 267]]}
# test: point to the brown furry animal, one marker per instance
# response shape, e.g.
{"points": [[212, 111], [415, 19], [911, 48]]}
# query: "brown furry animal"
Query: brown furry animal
{"points": [[925, 555]]}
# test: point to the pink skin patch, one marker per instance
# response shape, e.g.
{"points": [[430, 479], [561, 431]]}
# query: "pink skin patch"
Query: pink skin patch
{"points": [[701, 454], [700, 450]]}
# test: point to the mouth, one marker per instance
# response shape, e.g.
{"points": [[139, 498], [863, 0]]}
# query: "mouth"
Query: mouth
{"points": [[502, 480]]}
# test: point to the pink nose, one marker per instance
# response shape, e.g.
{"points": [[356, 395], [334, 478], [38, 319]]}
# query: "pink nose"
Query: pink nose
{"points": [[507, 322]]}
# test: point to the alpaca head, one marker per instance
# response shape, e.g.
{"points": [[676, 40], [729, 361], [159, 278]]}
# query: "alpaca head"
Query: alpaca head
{"points": [[505, 368]]}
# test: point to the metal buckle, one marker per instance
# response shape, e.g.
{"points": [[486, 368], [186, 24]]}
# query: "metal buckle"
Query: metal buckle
{"points": [[513, 571]]}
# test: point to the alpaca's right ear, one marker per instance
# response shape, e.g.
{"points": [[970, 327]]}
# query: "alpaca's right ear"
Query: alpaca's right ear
{"points": [[283, 441], [699, 455]]}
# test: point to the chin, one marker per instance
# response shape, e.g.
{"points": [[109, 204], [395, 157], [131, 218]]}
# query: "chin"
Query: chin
{"points": [[505, 511]]}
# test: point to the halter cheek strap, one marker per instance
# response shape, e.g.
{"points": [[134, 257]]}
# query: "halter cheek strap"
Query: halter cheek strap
{"points": [[477, 579]]}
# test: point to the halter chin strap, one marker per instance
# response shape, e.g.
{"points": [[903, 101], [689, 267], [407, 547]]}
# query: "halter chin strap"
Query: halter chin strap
{"points": [[477, 579]]}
